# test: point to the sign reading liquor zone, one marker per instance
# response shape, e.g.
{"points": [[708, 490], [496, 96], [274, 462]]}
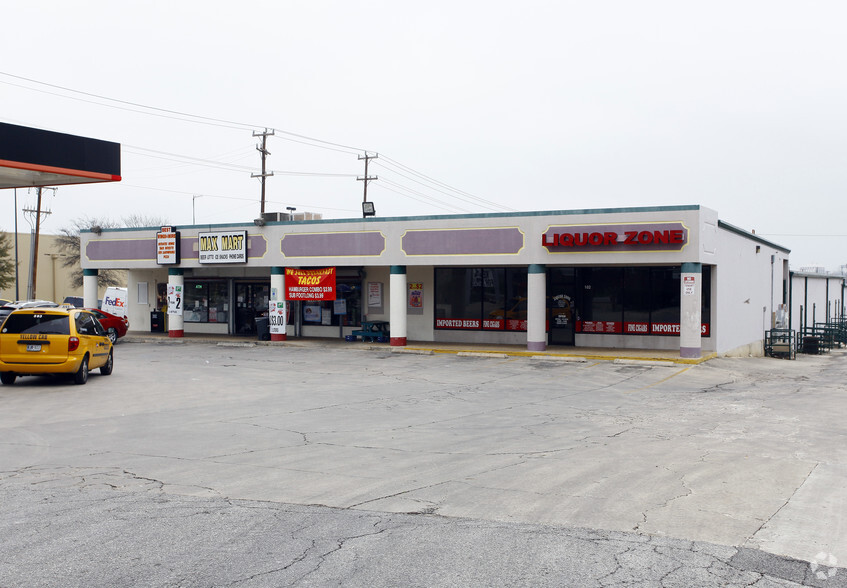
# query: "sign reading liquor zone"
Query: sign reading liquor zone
{"points": [[222, 247], [310, 284], [658, 236]]}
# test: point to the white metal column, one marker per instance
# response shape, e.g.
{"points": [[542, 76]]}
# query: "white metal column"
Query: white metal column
{"points": [[536, 308], [397, 300], [690, 321]]}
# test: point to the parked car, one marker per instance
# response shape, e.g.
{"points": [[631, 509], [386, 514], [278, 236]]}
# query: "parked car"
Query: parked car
{"points": [[77, 301], [116, 326], [53, 340], [7, 309]]}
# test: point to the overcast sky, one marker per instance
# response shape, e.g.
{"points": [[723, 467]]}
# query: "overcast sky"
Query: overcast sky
{"points": [[472, 106]]}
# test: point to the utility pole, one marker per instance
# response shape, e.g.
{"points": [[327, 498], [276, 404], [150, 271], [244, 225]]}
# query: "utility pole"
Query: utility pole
{"points": [[33, 260], [17, 290], [264, 151], [366, 178]]}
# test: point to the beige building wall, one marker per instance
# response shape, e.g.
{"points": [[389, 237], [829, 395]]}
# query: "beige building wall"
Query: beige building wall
{"points": [[53, 279]]}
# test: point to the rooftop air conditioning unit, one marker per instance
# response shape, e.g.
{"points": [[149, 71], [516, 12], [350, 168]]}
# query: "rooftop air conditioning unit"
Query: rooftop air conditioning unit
{"points": [[275, 217]]}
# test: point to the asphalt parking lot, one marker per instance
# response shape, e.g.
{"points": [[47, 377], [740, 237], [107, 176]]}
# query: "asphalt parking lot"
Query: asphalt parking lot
{"points": [[207, 465]]}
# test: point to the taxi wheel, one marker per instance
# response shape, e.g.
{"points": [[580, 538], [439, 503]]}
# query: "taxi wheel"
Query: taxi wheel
{"points": [[8, 378], [106, 368], [81, 376], [113, 335]]}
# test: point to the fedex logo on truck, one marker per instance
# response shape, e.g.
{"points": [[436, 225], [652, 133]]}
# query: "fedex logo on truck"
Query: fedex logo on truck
{"points": [[107, 301], [114, 301]]}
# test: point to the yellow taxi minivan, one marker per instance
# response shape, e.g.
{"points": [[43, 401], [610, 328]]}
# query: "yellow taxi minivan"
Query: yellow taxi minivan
{"points": [[36, 341]]}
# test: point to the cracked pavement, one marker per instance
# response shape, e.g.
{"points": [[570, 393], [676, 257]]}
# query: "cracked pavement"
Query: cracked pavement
{"points": [[273, 466]]}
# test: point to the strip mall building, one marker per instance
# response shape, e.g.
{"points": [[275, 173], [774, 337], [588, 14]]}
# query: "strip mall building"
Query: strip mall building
{"points": [[650, 278]]}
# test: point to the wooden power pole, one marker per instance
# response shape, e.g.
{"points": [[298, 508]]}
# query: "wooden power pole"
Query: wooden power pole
{"points": [[366, 178], [264, 151]]}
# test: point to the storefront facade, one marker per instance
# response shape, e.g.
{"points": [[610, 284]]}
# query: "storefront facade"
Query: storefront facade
{"points": [[650, 278]]}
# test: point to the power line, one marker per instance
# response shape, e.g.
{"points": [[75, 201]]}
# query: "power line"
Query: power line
{"points": [[423, 179], [492, 206], [205, 195], [796, 235], [428, 199], [189, 117], [447, 186], [176, 157]]}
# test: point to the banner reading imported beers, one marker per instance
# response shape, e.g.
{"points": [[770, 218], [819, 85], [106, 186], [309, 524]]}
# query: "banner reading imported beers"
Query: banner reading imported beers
{"points": [[310, 284]]}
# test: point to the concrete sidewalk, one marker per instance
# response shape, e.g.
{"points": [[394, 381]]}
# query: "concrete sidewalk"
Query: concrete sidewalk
{"points": [[425, 347]]}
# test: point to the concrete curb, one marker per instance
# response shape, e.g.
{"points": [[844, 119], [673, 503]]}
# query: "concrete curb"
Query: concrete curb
{"points": [[560, 358], [409, 351], [644, 362], [483, 354]]}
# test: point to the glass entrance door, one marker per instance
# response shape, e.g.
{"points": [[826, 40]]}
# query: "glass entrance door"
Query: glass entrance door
{"points": [[561, 312], [251, 301]]}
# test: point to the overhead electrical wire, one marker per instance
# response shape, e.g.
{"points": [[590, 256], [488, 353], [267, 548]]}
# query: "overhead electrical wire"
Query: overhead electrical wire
{"points": [[188, 117], [244, 198], [447, 186], [429, 199], [422, 179], [224, 165], [491, 206]]}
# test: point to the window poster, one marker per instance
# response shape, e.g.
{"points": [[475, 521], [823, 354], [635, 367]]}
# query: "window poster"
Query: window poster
{"points": [[175, 299], [374, 293], [311, 313], [277, 317], [415, 295]]}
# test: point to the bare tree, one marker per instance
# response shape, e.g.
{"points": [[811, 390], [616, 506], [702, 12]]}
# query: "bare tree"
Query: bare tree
{"points": [[68, 242], [138, 221]]}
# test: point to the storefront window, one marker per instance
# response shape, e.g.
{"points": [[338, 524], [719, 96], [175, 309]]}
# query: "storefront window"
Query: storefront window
{"points": [[516, 299], [665, 306], [345, 310], [206, 302], [491, 298], [602, 295], [492, 281], [636, 300], [631, 300], [457, 298], [196, 303]]}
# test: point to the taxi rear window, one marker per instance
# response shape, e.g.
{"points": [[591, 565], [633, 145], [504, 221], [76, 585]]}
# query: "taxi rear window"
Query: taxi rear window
{"points": [[37, 323]]}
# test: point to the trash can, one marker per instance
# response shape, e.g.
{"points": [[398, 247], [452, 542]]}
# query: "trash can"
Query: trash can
{"points": [[811, 345], [157, 321], [263, 328]]}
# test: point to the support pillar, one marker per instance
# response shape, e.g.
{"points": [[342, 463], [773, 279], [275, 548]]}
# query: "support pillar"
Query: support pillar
{"points": [[175, 320], [278, 294], [89, 288], [690, 322], [536, 308], [397, 300]]}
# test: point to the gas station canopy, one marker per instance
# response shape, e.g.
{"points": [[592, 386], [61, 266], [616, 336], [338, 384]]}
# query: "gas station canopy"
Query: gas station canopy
{"points": [[33, 157]]}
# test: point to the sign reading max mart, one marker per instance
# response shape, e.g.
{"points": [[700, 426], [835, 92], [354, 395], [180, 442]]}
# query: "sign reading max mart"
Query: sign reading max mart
{"points": [[659, 236], [222, 247]]}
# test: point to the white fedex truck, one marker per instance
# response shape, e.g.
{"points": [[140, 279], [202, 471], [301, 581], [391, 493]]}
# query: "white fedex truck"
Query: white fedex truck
{"points": [[114, 301]]}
